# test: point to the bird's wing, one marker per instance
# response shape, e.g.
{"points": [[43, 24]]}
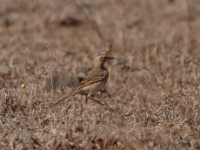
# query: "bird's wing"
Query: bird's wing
{"points": [[93, 77]]}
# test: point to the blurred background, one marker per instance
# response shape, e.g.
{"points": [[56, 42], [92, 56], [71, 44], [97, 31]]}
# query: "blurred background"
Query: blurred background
{"points": [[153, 90], [149, 33], [83, 26]]}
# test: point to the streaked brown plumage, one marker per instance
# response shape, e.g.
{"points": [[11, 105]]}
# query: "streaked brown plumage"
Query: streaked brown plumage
{"points": [[95, 81]]}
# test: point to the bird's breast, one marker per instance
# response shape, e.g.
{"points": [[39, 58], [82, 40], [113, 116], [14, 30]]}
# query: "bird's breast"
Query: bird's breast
{"points": [[95, 87]]}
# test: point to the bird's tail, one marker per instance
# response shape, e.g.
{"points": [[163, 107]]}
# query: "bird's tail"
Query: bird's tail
{"points": [[69, 94]]}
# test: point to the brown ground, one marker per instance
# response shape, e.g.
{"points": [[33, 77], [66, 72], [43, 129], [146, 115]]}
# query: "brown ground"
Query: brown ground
{"points": [[152, 99]]}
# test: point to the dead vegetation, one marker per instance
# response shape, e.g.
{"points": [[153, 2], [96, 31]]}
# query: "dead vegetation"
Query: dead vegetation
{"points": [[153, 93]]}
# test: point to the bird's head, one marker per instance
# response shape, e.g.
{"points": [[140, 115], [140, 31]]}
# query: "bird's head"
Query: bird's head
{"points": [[103, 57]]}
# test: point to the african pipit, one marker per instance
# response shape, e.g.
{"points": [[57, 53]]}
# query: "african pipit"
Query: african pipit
{"points": [[94, 82]]}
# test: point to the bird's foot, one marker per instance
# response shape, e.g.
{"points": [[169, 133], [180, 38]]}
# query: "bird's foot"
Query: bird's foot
{"points": [[92, 98]]}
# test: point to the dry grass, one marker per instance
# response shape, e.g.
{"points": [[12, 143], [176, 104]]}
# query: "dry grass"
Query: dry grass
{"points": [[153, 93]]}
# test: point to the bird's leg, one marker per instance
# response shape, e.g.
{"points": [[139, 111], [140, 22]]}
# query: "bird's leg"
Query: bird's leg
{"points": [[90, 96], [86, 99], [82, 108]]}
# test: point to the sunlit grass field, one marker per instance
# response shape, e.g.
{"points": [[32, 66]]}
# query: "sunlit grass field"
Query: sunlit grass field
{"points": [[152, 96]]}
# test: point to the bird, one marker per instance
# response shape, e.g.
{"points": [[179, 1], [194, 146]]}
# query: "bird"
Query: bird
{"points": [[95, 81]]}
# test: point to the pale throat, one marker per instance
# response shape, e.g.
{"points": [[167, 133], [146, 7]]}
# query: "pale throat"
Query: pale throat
{"points": [[101, 65]]}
